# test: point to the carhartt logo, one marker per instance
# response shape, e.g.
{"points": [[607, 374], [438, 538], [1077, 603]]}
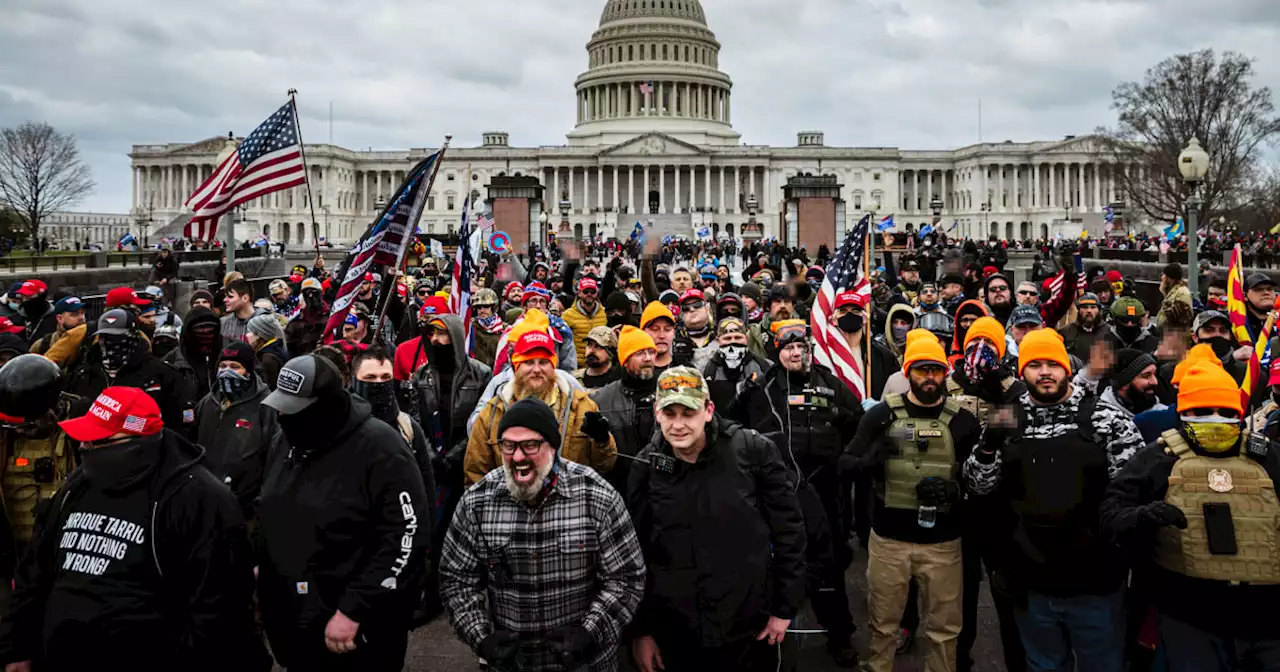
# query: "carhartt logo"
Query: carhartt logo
{"points": [[389, 583], [290, 381]]}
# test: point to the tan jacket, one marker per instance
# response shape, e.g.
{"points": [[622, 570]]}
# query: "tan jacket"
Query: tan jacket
{"points": [[63, 348], [483, 454], [1178, 294]]}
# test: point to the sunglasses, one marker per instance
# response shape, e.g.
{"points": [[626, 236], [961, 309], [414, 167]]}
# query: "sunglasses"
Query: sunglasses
{"points": [[693, 305], [998, 289], [1027, 292], [589, 292]]}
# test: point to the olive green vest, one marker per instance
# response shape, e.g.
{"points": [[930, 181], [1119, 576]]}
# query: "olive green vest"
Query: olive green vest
{"points": [[974, 404], [1255, 513], [913, 464], [33, 471]]}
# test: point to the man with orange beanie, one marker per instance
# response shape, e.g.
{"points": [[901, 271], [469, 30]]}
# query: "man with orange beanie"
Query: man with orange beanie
{"points": [[980, 384], [1153, 423], [1198, 510], [1046, 461], [587, 440], [627, 403], [914, 445]]}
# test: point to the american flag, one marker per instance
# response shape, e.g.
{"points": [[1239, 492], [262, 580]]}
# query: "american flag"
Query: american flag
{"points": [[269, 160], [1082, 282], [405, 205], [460, 293], [646, 88], [843, 274]]}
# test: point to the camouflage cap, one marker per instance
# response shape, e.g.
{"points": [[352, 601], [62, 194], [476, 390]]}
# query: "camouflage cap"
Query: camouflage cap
{"points": [[682, 385], [603, 337]]}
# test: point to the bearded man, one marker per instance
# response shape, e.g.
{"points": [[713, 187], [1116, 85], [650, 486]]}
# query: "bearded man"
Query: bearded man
{"points": [[586, 431], [1083, 332]]}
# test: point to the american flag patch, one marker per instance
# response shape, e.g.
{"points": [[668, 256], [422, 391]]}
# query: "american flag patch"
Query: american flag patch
{"points": [[134, 424]]}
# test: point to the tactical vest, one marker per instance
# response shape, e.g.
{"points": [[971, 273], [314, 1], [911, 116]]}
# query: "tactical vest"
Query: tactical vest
{"points": [[1238, 482], [926, 449], [973, 403], [34, 469]]}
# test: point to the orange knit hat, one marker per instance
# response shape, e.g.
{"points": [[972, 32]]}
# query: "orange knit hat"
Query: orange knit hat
{"points": [[653, 311], [1206, 385], [631, 341], [1042, 344], [989, 328], [1200, 353], [922, 346]]}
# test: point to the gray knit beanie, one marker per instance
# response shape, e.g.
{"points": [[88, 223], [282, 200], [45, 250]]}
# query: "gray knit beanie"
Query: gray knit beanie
{"points": [[266, 327]]}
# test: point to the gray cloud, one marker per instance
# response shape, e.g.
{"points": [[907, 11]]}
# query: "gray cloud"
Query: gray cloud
{"points": [[402, 73]]}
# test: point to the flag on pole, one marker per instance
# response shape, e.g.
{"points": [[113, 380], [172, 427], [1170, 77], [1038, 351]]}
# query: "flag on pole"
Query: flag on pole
{"points": [[460, 292], [925, 230], [885, 224], [267, 161], [646, 88], [1175, 229], [403, 210], [1236, 311], [843, 274]]}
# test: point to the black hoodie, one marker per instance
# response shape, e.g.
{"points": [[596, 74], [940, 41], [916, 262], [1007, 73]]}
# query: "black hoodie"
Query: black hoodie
{"points": [[196, 365], [345, 527], [142, 560], [143, 371]]}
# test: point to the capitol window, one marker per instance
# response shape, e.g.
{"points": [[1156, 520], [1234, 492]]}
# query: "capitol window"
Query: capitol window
{"points": [[449, 203], [875, 177], [431, 202], [857, 176], [449, 177]]}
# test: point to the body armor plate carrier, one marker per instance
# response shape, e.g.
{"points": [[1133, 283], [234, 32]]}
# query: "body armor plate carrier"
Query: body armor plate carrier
{"points": [[926, 449]]}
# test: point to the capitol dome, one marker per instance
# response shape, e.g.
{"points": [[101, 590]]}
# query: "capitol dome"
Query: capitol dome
{"points": [[653, 66]]}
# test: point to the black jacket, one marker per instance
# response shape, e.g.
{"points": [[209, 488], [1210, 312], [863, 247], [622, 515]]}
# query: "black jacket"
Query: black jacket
{"points": [[724, 388], [272, 357], [143, 371], [628, 406], [345, 528], [1214, 606], [162, 582], [237, 440], [723, 538], [470, 377], [816, 432]]}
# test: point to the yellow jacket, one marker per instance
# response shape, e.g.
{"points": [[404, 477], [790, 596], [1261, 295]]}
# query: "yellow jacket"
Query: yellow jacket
{"points": [[483, 454], [582, 324]]}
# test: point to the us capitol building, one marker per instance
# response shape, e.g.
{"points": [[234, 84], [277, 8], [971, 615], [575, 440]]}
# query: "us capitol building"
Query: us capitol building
{"points": [[654, 142]]}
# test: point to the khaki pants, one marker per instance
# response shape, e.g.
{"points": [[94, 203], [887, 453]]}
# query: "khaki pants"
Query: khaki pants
{"points": [[939, 570]]}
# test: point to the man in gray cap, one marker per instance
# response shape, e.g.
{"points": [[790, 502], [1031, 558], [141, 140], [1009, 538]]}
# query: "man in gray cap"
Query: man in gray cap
{"points": [[124, 359], [1023, 320], [345, 524], [1259, 300], [600, 354]]}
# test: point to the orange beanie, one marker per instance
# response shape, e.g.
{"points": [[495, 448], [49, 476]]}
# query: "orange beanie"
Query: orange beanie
{"points": [[1206, 385], [1042, 344], [989, 328], [1200, 353], [653, 311], [631, 341], [922, 346]]}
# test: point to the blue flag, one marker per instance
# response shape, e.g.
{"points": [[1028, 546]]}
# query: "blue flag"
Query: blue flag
{"points": [[925, 230], [885, 224]]}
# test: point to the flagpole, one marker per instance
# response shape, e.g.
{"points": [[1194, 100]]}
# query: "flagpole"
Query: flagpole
{"points": [[869, 310], [311, 202], [411, 229]]}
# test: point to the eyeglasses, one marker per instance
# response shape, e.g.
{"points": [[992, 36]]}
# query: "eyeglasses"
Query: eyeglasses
{"points": [[531, 447], [998, 289]]}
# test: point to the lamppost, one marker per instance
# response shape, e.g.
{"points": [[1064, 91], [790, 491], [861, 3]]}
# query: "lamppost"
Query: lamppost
{"points": [[753, 207], [936, 206], [793, 226], [565, 206], [543, 221], [986, 210], [1193, 163]]}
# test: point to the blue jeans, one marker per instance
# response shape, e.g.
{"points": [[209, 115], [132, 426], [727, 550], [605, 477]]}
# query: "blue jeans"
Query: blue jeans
{"points": [[1084, 632]]}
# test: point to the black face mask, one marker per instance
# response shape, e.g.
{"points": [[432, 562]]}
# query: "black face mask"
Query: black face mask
{"points": [[621, 319], [1128, 333], [163, 346], [313, 300], [116, 350], [442, 357], [850, 323], [35, 307], [121, 464], [382, 396], [1222, 346], [234, 386], [317, 425]]}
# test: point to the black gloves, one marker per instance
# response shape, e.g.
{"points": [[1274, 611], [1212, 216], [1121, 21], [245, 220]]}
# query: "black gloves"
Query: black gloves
{"points": [[682, 351], [881, 450], [573, 645], [499, 648], [934, 491], [596, 426], [1161, 514]]}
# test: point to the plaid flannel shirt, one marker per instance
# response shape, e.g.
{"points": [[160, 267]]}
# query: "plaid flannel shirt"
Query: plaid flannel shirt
{"points": [[573, 560]]}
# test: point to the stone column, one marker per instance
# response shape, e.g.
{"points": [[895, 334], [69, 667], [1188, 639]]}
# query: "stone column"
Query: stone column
{"points": [[572, 202], [737, 209], [644, 191], [1035, 184], [631, 189], [1097, 187], [617, 207], [1000, 206], [599, 190], [929, 186], [662, 189], [676, 205], [722, 208]]}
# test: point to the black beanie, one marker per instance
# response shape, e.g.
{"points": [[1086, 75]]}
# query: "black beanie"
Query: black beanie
{"points": [[1173, 271], [1129, 363], [239, 351], [201, 294], [617, 301], [532, 413]]}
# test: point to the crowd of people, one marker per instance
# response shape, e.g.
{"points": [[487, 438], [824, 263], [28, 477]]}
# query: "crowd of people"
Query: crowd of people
{"points": [[629, 456]]}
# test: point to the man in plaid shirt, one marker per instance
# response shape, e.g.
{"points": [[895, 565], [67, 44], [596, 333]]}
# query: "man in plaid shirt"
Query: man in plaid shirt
{"points": [[541, 566]]}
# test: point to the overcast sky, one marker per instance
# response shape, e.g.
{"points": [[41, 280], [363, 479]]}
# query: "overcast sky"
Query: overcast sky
{"points": [[402, 73]]}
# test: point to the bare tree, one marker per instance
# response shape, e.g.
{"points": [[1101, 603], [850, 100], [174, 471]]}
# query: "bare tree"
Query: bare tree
{"points": [[1189, 95], [40, 172], [1259, 208]]}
